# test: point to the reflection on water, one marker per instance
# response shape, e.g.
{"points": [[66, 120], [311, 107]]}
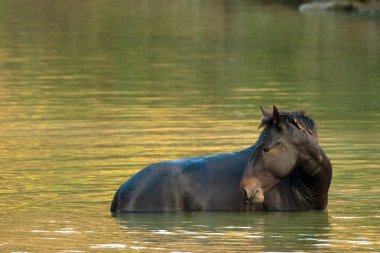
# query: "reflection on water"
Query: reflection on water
{"points": [[229, 232], [90, 93]]}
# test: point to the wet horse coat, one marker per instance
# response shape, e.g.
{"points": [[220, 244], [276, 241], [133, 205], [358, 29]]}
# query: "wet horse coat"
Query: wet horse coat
{"points": [[239, 180], [202, 183]]}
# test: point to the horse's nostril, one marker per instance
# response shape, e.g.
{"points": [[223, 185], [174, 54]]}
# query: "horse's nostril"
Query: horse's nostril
{"points": [[252, 197], [245, 194]]}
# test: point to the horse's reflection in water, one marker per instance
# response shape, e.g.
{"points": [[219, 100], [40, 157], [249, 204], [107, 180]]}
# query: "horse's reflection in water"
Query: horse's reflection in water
{"points": [[285, 169], [197, 231]]}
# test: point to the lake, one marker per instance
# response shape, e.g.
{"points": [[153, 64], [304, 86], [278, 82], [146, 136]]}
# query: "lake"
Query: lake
{"points": [[93, 91]]}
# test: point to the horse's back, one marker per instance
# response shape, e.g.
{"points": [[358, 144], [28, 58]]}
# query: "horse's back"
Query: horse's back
{"points": [[148, 190], [202, 183]]}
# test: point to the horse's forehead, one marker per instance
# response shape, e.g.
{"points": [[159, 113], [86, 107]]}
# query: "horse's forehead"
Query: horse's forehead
{"points": [[288, 135], [271, 133]]}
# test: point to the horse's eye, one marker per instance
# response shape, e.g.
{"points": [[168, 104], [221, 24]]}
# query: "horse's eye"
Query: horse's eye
{"points": [[266, 149]]}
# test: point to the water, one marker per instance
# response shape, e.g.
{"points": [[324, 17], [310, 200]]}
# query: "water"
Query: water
{"points": [[91, 92]]}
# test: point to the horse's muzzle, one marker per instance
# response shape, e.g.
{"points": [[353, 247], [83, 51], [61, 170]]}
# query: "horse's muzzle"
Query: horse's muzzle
{"points": [[255, 196]]}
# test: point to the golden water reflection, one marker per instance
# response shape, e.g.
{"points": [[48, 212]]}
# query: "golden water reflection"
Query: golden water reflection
{"points": [[90, 93]]}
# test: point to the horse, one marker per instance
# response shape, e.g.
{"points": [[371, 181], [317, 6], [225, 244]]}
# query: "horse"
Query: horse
{"points": [[285, 169]]}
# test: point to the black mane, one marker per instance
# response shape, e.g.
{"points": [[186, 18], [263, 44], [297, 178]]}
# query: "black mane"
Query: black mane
{"points": [[298, 119]]}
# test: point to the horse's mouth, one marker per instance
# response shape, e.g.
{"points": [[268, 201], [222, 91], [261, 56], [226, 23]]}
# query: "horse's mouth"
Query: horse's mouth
{"points": [[247, 202]]}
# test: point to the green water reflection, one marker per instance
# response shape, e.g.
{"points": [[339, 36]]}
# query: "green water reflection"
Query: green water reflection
{"points": [[91, 92], [231, 231]]}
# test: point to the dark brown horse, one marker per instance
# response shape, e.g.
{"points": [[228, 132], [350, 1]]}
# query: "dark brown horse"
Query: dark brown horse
{"points": [[288, 169], [285, 170]]}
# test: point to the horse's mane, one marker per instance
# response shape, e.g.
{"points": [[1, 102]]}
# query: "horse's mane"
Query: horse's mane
{"points": [[298, 119]]}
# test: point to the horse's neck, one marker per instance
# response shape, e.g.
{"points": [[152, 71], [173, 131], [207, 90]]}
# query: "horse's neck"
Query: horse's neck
{"points": [[311, 180], [246, 153], [314, 168], [306, 187]]}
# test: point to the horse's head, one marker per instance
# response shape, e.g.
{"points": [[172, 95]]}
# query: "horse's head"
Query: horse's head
{"points": [[279, 148]]}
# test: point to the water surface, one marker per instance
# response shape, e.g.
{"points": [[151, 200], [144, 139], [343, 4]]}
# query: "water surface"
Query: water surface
{"points": [[91, 92]]}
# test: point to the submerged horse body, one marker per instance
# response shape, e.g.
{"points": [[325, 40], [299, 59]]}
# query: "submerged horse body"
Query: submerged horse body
{"points": [[202, 183], [285, 169]]}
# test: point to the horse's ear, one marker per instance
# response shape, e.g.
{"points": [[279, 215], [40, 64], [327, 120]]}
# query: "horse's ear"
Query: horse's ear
{"points": [[276, 116], [266, 114]]}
